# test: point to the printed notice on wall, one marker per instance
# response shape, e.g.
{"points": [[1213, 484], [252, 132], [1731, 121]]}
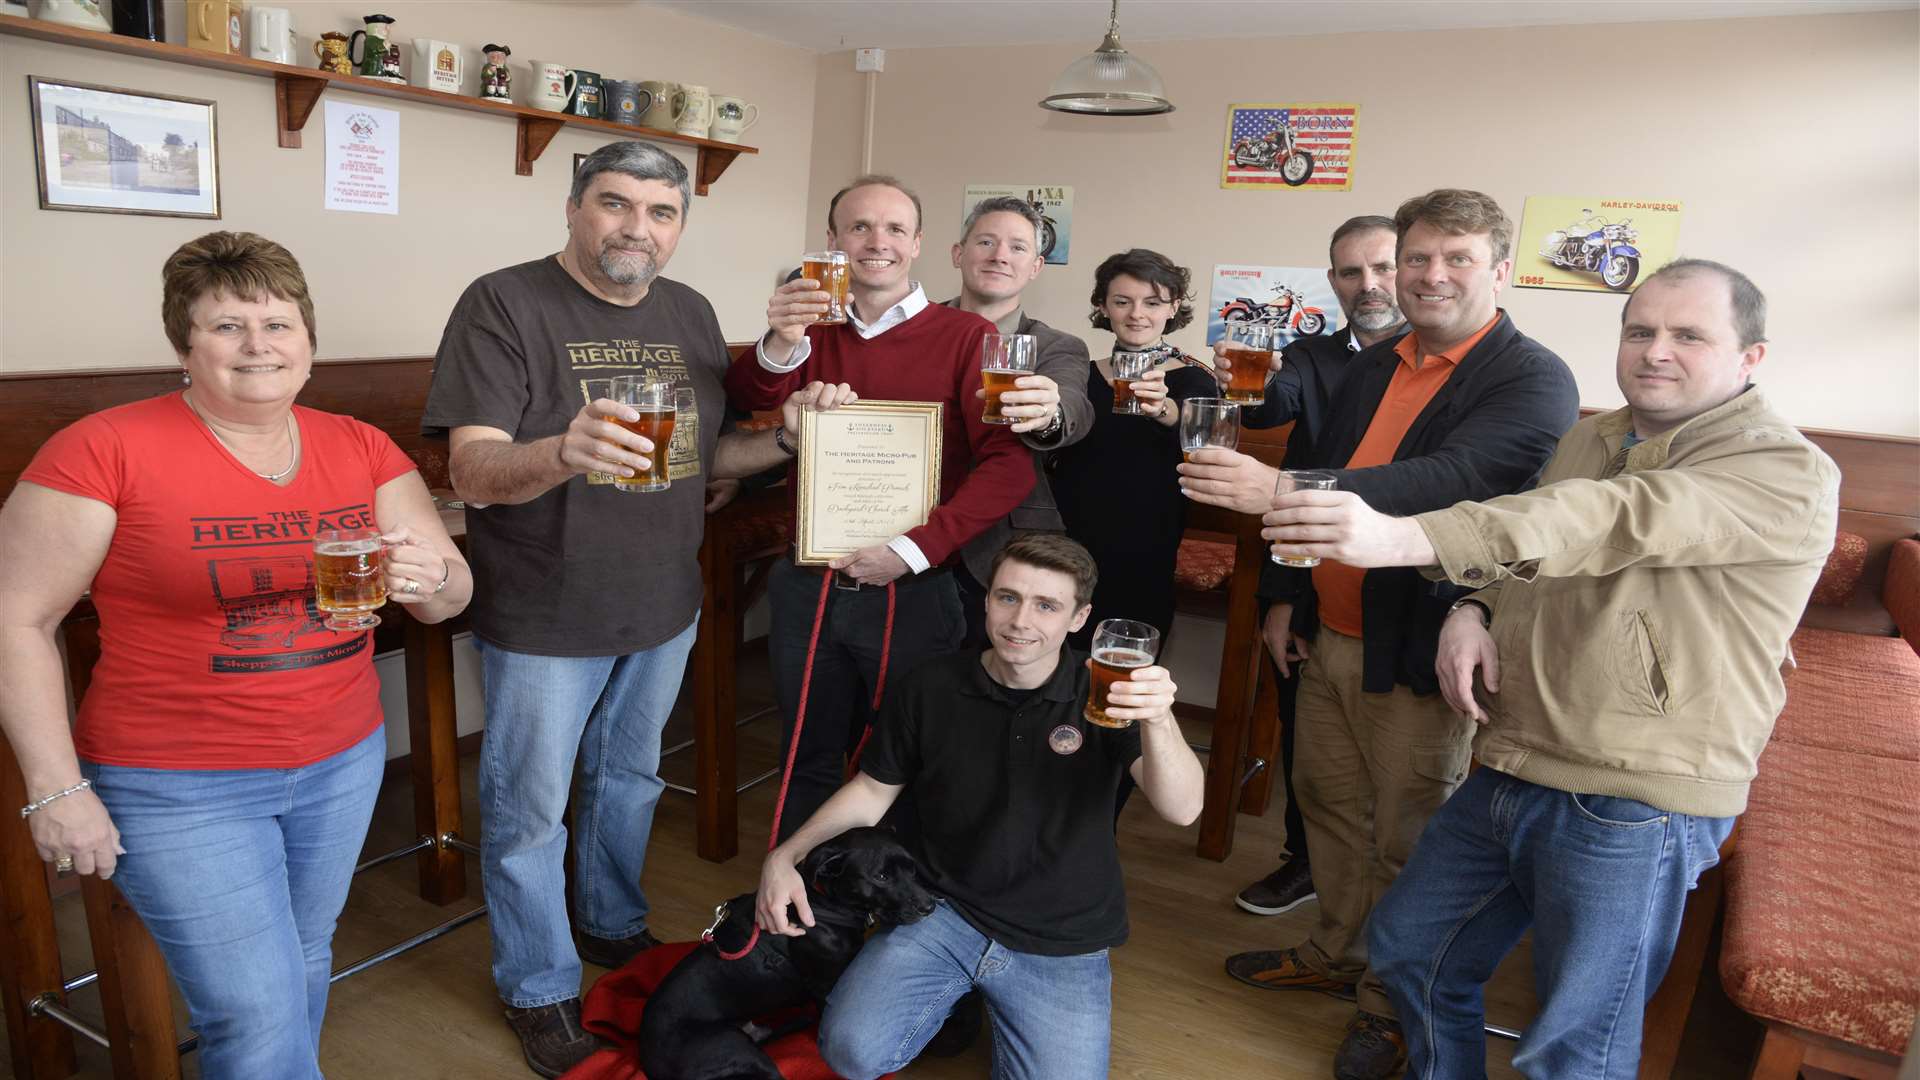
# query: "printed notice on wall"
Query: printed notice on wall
{"points": [[363, 158]]}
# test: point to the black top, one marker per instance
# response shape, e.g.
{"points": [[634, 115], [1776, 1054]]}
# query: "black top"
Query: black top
{"points": [[1487, 432], [1018, 836], [1120, 496]]}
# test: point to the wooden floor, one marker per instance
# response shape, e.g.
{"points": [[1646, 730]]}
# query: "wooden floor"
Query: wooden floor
{"points": [[433, 1013]]}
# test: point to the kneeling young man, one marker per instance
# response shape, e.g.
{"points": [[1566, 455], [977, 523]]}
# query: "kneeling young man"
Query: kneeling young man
{"points": [[1015, 794]]}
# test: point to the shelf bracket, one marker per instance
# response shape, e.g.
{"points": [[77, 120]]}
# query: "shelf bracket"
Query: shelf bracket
{"points": [[709, 164], [294, 97], [535, 133]]}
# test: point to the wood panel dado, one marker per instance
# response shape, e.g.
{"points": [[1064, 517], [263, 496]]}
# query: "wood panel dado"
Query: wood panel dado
{"points": [[386, 393]]}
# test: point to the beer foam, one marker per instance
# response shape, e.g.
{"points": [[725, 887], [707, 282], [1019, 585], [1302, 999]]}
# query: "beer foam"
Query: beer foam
{"points": [[341, 548], [1123, 658]]}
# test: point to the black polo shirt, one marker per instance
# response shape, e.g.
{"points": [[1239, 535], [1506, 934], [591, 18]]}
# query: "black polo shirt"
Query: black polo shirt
{"points": [[1018, 835]]}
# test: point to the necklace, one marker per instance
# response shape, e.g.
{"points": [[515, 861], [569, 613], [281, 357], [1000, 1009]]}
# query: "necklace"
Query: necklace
{"points": [[293, 451]]}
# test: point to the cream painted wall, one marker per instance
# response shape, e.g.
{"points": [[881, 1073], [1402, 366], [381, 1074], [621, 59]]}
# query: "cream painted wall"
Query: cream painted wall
{"points": [[1793, 142], [83, 290]]}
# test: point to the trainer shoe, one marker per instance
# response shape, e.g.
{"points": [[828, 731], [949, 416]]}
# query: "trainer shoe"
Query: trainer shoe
{"points": [[1284, 970], [1279, 892], [610, 954], [551, 1036], [1374, 1049]]}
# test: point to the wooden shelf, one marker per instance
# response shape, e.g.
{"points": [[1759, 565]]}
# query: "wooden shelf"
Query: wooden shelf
{"points": [[297, 90]]}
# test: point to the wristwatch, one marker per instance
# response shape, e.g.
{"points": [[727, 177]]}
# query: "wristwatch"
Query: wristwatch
{"points": [[780, 440], [1486, 613]]}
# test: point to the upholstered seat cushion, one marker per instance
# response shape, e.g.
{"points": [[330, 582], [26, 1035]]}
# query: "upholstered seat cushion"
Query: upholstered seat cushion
{"points": [[1844, 566], [1854, 693], [1202, 565], [754, 529], [1823, 895]]}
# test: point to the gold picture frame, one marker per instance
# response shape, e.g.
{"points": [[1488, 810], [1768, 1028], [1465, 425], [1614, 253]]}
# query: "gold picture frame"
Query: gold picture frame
{"points": [[869, 471], [106, 150]]}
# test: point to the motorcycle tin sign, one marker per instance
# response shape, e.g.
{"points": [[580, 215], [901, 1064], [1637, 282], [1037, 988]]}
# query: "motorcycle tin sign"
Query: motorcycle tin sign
{"points": [[1593, 244], [1054, 201], [1279, 146], [1295, 300]]}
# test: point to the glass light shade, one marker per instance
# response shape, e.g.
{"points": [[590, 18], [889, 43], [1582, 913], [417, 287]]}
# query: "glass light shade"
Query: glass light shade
{"points": [[1110, 81]]}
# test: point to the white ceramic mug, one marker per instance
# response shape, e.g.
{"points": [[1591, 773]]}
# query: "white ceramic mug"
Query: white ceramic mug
{"points": [[693, 111], [552, 86], [272, 35], [732, 117]]}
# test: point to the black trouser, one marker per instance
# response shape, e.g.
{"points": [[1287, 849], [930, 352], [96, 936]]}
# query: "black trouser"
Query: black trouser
{"points": [[927, 622], [1295, 836]]}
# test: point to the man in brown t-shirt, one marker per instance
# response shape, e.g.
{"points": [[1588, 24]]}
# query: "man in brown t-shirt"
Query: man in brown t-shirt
{"points": [[586, 595]]}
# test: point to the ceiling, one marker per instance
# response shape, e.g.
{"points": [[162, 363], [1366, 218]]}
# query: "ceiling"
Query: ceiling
{"points": [[832, 25]]}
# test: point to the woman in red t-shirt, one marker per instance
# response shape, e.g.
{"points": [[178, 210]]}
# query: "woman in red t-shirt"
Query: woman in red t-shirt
{"points": [[226, 755]]}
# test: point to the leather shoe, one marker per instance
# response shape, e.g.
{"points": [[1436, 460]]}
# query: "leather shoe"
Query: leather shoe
{"points": [[551, 1036]]}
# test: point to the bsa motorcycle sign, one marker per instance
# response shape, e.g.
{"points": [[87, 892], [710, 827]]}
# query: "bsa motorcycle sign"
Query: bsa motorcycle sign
{"points": [[1296, 301], [1054, 203], [1593, 245]]}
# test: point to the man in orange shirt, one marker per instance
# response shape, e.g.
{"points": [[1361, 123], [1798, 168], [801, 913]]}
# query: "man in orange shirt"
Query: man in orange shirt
{"points": [[1463, 407]]}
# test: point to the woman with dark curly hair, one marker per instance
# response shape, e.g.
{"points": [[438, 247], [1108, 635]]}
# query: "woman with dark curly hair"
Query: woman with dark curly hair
{"points": [[1118, 492]]}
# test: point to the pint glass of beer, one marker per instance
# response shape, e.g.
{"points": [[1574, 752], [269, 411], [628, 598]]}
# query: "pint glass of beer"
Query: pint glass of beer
{"points": [[1003, 358], [1302, 480], [349, 577], [1208, 421], [653, 399], [1128, 366], [1119, 646], [829, 268], [1250, 348]]}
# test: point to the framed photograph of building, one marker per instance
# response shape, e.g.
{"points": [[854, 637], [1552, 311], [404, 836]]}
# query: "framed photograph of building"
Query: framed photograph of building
{"points": [[112, 151]]}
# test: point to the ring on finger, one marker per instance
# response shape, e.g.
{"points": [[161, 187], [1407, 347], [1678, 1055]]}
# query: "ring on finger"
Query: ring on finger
{"points": [[64, 864], [410, 587]]}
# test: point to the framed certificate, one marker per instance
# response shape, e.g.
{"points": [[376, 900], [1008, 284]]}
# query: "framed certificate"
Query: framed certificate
{"points": [[869, 471]]}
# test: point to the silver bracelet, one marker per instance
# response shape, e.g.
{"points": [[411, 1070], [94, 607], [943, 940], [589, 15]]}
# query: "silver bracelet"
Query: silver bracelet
{"points": [[446, 575], [41, 804]]}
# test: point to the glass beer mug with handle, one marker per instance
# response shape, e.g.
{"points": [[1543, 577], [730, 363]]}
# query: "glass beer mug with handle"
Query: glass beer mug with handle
{"points": [[1206, 422], [831, 270], [1119, 646], [349, 577], [1250, 348], [653, 399], [1003, 359], [1302, 480]]}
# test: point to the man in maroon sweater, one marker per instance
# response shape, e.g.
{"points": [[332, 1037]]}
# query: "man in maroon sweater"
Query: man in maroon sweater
{"points": [[893, 346]]}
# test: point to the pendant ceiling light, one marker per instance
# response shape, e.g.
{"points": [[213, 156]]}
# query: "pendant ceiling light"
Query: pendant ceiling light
{"points": [[1109, 81]]}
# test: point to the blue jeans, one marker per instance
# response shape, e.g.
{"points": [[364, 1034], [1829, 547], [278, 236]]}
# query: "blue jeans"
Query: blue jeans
{"points": [[1052, 1015], [552, 721], [239, 875], [1602, 880]]}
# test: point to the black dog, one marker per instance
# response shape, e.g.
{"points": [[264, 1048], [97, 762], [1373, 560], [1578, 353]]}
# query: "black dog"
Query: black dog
{"points": [[692, 1028]]}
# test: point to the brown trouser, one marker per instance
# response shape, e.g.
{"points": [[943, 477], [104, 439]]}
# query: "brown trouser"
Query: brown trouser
{"points": [[1370, 769]]}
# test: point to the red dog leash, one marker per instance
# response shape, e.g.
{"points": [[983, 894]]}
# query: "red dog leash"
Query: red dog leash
{"points": [[793, 746]]}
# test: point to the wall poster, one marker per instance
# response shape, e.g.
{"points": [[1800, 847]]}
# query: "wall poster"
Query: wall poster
{"points": [[1279, 146], [1593, 245], [1296, 300], [1054, 202]]}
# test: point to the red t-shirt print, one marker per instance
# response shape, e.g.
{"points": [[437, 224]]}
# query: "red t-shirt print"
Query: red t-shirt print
{"points": [[213, 654]]}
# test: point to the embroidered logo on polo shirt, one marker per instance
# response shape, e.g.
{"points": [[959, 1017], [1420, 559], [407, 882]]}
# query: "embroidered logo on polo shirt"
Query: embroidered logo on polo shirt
{"points": [[1064, 739]]}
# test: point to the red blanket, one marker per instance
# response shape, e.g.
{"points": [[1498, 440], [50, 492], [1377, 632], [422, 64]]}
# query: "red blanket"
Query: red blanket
{"points": [[614, 1005]]}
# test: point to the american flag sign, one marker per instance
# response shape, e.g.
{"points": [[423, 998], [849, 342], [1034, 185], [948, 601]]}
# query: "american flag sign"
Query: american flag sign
{"points": [[1324, 130]]}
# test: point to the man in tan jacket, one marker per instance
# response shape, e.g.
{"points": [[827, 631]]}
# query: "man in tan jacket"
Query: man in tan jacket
{"points": [[1629, 633]]}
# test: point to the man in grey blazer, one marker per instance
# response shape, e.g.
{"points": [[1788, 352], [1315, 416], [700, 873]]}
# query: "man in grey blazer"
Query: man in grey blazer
{"points": [[998, 255]]}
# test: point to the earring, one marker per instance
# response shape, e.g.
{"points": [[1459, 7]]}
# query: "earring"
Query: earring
{"points": [[186, 377]]}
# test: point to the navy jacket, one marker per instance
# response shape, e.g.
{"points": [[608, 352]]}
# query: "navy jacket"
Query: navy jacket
{"points": [[1487, 432]]}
